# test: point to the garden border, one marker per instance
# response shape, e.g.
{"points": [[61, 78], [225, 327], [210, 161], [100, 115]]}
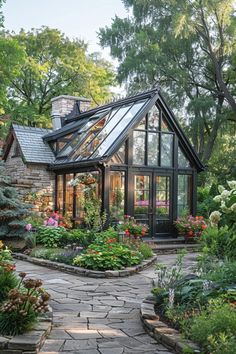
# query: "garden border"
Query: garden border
{"points": [[30, 342], [87, 272], [162, 333]]}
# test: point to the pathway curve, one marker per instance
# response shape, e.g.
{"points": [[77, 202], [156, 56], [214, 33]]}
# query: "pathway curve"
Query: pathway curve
{"points": [[98, 316]]}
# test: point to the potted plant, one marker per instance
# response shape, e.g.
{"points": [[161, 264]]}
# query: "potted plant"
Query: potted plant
{"points": [[131, 228], [191, 227]]}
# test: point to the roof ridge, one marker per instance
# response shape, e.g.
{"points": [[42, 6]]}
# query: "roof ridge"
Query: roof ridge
{"points": [[26, 127]]}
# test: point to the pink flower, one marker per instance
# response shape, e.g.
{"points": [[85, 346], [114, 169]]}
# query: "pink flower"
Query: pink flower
{"points": [[28, 227]]}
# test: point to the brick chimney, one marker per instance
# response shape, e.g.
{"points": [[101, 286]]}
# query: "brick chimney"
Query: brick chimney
{"points": [[65, 106]]}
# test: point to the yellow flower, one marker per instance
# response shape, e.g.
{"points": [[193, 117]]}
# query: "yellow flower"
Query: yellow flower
{"points": [[1, 244]]}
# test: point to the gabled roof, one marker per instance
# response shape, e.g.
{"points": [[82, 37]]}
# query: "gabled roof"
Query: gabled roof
{"points": [[119, 118], [31, 144]]}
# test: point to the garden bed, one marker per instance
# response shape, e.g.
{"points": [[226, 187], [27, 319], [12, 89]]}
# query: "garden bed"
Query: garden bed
{"points": [[30, 342], [87, 272], [164, 334]]}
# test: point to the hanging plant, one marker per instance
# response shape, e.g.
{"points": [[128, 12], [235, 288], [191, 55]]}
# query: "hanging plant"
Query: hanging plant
{"points": [[86, 179]]}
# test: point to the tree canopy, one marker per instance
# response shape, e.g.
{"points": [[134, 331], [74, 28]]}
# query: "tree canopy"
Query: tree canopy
{"points": [[188, 48]]}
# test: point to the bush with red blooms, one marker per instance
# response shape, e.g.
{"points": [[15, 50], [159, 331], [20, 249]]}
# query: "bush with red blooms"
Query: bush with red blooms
{"points": [[190, 226], [132, 228]]}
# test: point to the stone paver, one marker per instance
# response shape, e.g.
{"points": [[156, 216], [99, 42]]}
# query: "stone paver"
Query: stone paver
{"points": [[99, 316]]}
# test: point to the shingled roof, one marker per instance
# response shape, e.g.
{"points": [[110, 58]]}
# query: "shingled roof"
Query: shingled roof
{"points": [[33, 147]]}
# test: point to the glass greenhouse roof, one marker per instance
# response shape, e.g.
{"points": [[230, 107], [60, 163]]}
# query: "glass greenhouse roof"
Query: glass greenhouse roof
{"points": [[94, 138]]}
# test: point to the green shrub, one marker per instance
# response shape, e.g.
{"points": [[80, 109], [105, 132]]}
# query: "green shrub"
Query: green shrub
{"points": [[109, 256], [214, 329], [81, 237], [146, 250], [51, 236], [219, 242], [206, 204], [30, 240], [8, 281]]}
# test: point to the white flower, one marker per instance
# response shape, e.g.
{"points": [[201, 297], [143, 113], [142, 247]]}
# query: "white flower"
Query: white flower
{"points": [[233, 207], [215, 217], [232, 184], [225, 194], [221, 188], [217, 199]]}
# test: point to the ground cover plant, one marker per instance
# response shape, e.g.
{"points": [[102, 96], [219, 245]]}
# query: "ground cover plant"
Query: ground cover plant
{"points": [[202, 305], [22, 299]]}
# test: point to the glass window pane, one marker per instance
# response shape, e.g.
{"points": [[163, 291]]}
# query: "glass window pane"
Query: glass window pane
{"points": [[139, 147], [153, 149], [142, 124], [162, 196], [164, 125], [166, 149], [69, 195], [119, 156], [117, 194], [141, 196], [59, 206], [184, 194], [182, 160], [115, 133], [153, 119]]}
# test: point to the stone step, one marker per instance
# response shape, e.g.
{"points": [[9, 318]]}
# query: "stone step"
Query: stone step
{"points": [[171, 248]]}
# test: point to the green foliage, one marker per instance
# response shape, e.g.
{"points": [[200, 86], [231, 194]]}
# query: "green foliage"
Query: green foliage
{"points": [[205, 202], [13, 324], [8, 281], [12, 209], [81, 237], [35, 220], [51, 236], [109, 256], [184, 53], [220, 243], [214, 329], [146, 250], [56, 254], [53, 65], [30, 240], [45, 253]]}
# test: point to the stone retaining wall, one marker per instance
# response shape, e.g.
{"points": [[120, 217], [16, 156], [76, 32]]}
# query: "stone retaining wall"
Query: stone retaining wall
{"points": [[30, 342], [164, 334], [87, 272]]}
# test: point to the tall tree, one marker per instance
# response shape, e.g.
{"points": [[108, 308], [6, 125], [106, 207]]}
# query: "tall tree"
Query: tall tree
{"points": [[186, 46], [54, 65]]}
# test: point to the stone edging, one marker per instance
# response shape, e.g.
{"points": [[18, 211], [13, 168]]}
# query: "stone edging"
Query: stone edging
{"points": [[87, 272], [30, 342], [164, 334]]}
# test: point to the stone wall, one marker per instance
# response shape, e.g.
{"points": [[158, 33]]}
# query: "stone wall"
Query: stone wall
{"points": [[34, 183]]}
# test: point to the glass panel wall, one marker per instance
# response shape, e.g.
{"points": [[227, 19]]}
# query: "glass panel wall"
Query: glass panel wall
{"points": [[117, 194], [120, 156], [184, 200], [162, 196], [153, 148], [141, 197], [182, 160], [166, 149], [69, 195], [60, 184], [139, 138]]}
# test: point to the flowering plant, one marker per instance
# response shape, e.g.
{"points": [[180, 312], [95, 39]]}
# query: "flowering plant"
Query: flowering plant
{"points": [[190, 226], [227, 200], [131, 227], [56, 219], [87, 178]]}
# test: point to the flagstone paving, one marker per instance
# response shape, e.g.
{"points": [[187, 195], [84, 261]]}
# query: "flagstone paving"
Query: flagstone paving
{"points": [[99, 316]]}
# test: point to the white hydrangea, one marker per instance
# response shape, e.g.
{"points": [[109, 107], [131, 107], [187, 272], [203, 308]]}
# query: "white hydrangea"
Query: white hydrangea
{"points": [[233, 207], [215, 217], [221, 188], [217, 198], [232, 184], [225, 194]]}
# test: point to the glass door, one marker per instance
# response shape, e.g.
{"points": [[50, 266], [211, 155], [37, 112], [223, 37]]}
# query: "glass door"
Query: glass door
{"points": [[162, 189], [142, 198], [152, 202]]}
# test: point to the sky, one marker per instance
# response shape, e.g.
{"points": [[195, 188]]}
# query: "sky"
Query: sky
{"points": [[76, 18]]}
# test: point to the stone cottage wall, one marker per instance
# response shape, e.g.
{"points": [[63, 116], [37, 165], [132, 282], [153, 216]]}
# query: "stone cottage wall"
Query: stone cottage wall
{"points": [[33, 182]]}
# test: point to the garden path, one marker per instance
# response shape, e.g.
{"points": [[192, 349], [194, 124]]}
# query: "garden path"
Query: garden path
{"points": [[99, 316]]}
